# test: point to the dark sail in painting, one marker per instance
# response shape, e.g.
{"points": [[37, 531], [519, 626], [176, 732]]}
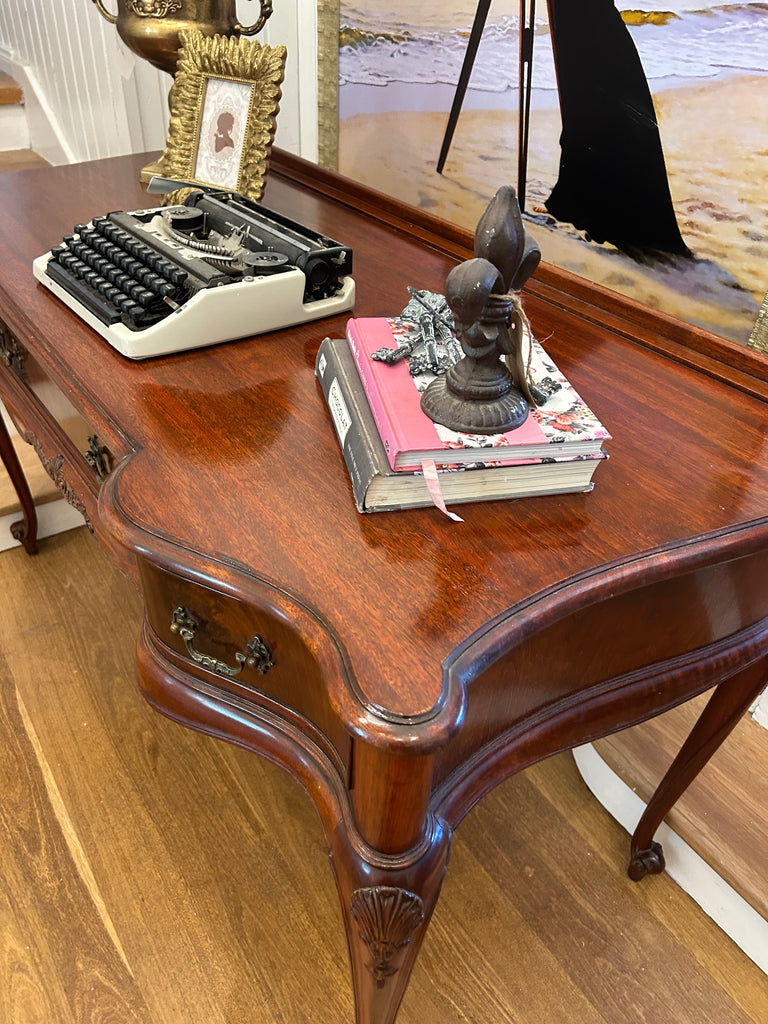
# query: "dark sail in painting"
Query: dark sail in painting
{"points": [[612, 182]]}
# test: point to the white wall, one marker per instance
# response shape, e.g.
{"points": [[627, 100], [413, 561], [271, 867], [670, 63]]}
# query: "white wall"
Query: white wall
{"points": [[87, 96]]}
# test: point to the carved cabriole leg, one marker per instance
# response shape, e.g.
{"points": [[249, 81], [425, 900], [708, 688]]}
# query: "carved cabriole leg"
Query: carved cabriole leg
{"points": [[723, 711], [386, 903], [388, 872], [24, 531]]}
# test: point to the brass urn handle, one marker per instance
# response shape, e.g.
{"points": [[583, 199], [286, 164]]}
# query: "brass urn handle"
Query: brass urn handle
{"points": [[111, 18], [265, 10], [258, 654]]}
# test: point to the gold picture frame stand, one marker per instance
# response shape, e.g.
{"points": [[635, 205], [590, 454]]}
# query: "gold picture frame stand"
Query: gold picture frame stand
{"points": [[223, 113]]}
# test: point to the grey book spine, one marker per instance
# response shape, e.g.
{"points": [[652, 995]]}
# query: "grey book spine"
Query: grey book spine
{"points": [[352, 418]]}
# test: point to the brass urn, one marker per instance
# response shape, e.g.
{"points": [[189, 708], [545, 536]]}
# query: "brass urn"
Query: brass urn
{"points": [[151, 27]]}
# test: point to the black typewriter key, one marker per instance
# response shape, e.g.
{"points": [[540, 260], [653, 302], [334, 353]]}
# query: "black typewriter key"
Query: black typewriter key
{"points": [[99, 284], [176, 275], [144, 251], [123, 302], [154, 282], [144, 274], [154, 260], [144, 297], [137, 292], [131, 309]]}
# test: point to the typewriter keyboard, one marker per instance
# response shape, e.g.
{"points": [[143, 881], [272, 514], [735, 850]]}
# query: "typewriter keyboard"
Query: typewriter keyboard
{"points": [[116, 276]]}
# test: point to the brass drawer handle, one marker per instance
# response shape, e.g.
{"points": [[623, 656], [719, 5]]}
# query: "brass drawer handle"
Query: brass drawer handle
{"points": [[259, 655], [98, 458], [11, 351]]}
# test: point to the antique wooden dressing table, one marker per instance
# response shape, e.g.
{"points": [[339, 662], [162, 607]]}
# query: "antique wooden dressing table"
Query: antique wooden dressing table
{"points": [[407, 664]]}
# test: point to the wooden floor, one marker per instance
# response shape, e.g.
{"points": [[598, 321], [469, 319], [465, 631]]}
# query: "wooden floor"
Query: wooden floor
{"points": [[20, 160], [41, 487], [149, 875], [723, 816]]}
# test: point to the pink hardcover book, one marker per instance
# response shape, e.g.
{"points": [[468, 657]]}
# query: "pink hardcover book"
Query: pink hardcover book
{"points": [[562, 428]]}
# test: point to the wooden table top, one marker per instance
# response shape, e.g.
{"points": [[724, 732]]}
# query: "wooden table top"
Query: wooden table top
{"points": [[231, 457]]}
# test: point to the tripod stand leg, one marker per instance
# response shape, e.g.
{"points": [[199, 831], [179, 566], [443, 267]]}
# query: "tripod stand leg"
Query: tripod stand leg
{"points": [[466, 70], [526, 70]]}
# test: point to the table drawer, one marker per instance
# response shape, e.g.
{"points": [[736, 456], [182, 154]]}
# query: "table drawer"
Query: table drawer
{"points": [[251, 648], [72, 453]]}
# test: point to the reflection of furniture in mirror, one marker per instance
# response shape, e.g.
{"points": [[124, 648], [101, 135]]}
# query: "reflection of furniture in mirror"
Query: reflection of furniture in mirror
{"points": [[399, 667]]}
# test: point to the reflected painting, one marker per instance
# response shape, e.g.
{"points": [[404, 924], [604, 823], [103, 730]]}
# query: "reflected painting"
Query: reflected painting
{"points": [[637, 137]]}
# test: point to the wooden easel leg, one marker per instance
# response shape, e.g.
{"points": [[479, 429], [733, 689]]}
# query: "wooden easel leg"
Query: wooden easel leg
{"points": [[724, 709], [386, 904], [24, 531]]}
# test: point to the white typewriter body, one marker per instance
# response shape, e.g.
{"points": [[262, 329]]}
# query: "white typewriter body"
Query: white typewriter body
{"points": [[213, 315], [221, 307]]}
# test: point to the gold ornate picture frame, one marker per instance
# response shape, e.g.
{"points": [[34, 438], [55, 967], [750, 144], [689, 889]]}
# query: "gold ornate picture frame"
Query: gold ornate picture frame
{"points": [[223, 112], [758, 339]]}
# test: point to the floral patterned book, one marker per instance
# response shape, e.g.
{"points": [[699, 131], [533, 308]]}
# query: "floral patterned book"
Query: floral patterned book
{"points": [[562, 427], [376, 487]]}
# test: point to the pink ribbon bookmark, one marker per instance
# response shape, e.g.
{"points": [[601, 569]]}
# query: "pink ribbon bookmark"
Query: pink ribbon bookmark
{"points": [[432, 481]]}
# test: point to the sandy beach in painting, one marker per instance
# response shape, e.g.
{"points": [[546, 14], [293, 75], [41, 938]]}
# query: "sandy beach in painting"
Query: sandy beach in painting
{"points": [[715, 137]]}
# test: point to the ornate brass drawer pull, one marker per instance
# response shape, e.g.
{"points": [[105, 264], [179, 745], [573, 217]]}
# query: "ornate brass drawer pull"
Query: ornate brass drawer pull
{"points": [[98, 458], [259, 655], [11, 351]]}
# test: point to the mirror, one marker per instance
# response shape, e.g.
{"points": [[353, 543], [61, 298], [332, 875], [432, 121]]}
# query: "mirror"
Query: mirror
{"points": [[398, 67]]}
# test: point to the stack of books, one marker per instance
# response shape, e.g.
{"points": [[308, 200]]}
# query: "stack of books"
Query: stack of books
{"points": [[391, 448]]}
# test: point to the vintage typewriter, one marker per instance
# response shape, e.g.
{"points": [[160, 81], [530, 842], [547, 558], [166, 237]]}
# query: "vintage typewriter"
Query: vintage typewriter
{"points": [[218, 268]]}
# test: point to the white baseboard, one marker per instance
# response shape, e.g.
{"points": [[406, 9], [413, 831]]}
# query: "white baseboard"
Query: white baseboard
{"points": [[52, 517], [717, 899]]}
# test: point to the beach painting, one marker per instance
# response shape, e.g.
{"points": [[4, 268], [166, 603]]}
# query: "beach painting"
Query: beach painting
{"points": [[646, 166]]}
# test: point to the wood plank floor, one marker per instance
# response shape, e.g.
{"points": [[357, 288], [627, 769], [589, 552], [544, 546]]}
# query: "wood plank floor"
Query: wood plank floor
{"points": [[41, 487], [152, 875], [21, 160], [723, 815]]}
